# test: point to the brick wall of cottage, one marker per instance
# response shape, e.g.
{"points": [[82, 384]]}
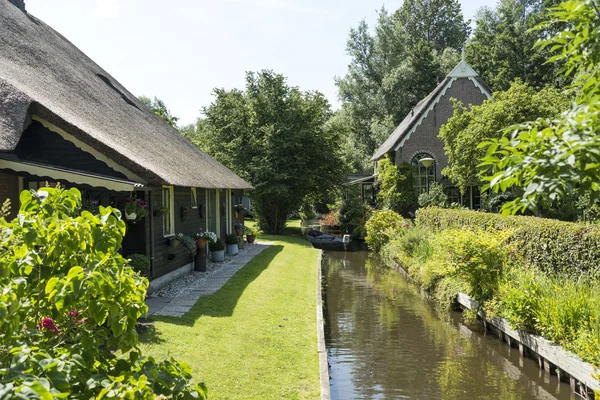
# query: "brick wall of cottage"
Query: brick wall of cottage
{"points": [[425, 138]]}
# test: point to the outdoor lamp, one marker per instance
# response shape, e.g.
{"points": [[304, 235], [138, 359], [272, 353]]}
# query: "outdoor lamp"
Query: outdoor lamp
{"points": [[427, 161]]}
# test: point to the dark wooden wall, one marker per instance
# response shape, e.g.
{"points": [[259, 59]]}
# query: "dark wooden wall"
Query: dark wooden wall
{"points": [[9, 189], [162, 251], [40, 144]]}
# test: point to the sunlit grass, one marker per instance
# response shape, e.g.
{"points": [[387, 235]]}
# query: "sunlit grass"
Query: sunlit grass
{"points": [[256, 337]]}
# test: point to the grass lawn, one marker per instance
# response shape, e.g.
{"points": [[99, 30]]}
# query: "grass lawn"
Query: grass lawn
{"points": [[256, 337]]}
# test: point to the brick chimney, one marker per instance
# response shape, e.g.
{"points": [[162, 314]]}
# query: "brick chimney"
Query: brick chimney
{"points": [[19, 3]]}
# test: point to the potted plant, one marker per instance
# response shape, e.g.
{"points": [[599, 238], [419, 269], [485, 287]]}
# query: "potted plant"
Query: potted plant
{"points": [[239, 228], [188, 244], [135, 209], [203, 237], [217, 250], [232, 244], [251, 234], [140, 263]]}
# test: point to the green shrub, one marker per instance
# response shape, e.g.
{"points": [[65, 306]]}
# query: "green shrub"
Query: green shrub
{"points": [[355, 215], [435, 197], [549, 245], [518, 298], [140, 263], [216, 246], [382, 226], [69, 307], [231, 239], [396, 190], [414, 242]]}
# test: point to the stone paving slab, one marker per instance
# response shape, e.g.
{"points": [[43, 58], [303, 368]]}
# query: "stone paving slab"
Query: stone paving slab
{"points": [[180, 305]]}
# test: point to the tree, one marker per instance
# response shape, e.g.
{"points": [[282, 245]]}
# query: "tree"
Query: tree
{"points": [[502, 47], [439, 23], [394, 67], [467, 128], [552, 158], [276, 137], [158, 107]]}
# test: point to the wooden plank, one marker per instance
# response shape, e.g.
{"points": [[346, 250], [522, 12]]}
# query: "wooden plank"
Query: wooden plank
{"points": [[548, 351]]}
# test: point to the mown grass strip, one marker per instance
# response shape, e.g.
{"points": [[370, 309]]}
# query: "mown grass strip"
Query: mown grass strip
{"points": [[256, 337]]}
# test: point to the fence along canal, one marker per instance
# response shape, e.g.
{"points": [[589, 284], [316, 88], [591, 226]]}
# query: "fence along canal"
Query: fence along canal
{"points": [[385, 341]]}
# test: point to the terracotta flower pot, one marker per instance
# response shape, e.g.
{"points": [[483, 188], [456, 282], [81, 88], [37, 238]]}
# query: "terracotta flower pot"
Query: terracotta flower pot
{"points": [[250, 238], [201, 243]]}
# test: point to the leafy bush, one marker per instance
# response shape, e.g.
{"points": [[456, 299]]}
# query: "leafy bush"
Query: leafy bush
{"points": [[68, 303], [231, 239], [189, 244], [217, 246], [548, 245], [414, 241], [382, 226], [140, 263], [396, 190], [355, 215], [331, 220], [435, 198]]}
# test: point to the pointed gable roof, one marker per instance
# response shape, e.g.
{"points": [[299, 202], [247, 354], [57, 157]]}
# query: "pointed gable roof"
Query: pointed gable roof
{"points": [[423, 107], [44, 75]]}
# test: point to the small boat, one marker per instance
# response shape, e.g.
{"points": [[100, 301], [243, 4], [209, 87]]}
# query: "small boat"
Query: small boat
{"points": [[326, 241]]}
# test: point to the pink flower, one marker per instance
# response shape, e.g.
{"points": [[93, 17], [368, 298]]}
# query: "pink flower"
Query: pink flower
{"points": [[404, 225], [393, 222], [48, 324]]}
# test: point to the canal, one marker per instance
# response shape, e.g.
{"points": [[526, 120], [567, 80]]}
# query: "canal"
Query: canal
{"points": [[386, 341]]}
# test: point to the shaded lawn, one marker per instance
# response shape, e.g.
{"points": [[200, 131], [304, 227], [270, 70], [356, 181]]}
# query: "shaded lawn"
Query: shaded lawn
{"points": [[256, 337]]}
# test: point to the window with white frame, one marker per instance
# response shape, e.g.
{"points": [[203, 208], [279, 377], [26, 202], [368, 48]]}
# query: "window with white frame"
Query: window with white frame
{"points": [[423, 176], [194, 197], [168, 205]]}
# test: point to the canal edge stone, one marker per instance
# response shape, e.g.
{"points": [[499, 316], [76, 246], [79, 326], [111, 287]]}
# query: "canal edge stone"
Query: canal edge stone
{"points": [[323, 362]]}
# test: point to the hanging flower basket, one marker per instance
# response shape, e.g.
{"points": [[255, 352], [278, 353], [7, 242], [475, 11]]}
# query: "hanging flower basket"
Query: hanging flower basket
{"points": [[135, 209]]}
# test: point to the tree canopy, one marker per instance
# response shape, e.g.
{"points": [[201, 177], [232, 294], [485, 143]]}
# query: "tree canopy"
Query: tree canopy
{"points": [[552, 158], [276, 137], [159, 108], [395, 66], [502, 47], [468, 127]]}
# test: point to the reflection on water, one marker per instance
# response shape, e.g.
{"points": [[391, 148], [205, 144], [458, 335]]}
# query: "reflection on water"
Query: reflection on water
{"points": [[385, 341]]}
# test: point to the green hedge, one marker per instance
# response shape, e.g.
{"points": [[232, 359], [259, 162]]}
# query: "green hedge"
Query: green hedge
{"points": [[550, 245]]}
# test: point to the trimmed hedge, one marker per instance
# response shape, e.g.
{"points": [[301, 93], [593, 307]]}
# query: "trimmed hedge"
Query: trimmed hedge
{"points": [[550, 245]]}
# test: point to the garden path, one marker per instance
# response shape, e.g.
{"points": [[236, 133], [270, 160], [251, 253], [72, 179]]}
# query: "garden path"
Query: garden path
{"points": [[182, 294]]}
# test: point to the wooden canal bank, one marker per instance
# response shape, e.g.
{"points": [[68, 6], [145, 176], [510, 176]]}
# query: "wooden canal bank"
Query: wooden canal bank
{"points": [[581, 375]]}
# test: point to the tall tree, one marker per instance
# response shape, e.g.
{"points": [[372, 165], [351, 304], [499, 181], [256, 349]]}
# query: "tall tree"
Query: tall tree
{"points": [[439, 23], [159, 108], [394, 67], [276, 137], [502, 47]]}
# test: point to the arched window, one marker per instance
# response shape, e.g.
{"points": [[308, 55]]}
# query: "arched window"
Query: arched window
{"points": [[423, 172]]}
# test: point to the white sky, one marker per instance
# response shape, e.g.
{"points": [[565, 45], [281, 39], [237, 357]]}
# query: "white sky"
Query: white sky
{"points": [[179, 50]]}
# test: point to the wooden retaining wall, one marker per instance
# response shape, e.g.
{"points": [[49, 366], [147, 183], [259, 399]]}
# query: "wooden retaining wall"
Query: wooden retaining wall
{"points": [[551, 357]]}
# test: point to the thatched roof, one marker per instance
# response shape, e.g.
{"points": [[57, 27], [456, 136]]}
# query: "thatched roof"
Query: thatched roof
{"points": [[461, 71], [43, 74]]}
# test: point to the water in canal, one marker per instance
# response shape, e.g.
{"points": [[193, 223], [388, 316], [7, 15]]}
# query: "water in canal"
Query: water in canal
{"points": [[385, 341]]}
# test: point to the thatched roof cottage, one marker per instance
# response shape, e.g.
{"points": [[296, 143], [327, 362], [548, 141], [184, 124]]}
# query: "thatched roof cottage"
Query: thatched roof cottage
{"points": [[65, 119]]}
